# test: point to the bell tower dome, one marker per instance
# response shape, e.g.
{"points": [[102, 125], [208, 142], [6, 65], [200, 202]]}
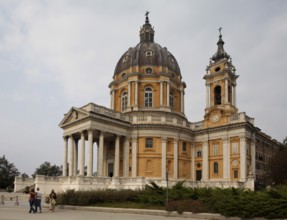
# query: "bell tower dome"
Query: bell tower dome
{"points": [[221, 84]]}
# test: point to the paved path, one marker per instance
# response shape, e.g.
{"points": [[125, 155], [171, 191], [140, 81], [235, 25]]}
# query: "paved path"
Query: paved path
{"points": [[9, 211], [12, 213]]}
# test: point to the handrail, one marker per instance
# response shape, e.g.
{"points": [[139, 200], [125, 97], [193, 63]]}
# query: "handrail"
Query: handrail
{"points": [[11, 198]]}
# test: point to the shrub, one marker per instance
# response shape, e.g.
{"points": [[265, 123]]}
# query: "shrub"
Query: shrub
{"points": [[187, 205]]}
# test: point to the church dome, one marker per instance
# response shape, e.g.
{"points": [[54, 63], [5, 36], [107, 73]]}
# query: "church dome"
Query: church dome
{"points": [[147, 53]]}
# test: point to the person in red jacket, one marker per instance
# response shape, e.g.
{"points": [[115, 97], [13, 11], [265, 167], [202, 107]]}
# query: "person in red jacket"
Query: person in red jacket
{"points": [[32, 200]]}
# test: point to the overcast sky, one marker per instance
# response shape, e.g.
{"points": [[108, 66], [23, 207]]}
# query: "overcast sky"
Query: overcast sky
{"points": [[59, 54]]}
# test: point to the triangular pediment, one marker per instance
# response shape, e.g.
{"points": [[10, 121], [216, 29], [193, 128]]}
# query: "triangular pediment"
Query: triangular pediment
{"points": [[73, 115]]}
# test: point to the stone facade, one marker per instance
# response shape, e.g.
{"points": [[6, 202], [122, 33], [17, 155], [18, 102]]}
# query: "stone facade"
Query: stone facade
{"points": [[145, 136]]}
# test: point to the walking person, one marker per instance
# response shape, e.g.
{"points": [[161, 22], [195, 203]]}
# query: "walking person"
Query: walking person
{"points": [[32, 200], [38, 200], [53, 197]]}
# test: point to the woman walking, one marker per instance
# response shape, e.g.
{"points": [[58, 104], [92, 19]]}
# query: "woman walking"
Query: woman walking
{"points": [[53, 198], [32, 200]]}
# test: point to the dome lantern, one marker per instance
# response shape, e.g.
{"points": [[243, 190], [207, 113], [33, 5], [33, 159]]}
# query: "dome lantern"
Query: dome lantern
{"points": [[147, 32]]}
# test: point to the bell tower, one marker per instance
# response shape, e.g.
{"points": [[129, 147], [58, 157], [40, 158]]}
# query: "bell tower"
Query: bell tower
{"points": [[220, 81]]}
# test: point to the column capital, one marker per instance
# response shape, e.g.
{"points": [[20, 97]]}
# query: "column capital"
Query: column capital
{"points": [[205, 142], [118, 135], [242, 138], [134, 138], [225, 140], [65, 138], [127, 139], [163, 139]]}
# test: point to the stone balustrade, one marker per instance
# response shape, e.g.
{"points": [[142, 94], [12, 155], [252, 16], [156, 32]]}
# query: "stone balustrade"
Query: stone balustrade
{"points": [[241, 117]]}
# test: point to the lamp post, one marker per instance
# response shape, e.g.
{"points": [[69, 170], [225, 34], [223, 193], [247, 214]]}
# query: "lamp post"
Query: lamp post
{"points": [[166, 176]]}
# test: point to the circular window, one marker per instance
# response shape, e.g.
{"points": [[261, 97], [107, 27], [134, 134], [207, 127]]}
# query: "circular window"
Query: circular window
{"points": [[148, 70], [217, 69], [123, 75], [198, 165]]}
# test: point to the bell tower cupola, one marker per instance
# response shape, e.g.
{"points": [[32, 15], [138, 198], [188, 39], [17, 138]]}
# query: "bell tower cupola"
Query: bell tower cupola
{"points": [[220, 81]]}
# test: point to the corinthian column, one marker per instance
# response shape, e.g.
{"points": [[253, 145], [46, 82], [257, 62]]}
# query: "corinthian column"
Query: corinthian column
{"points": [[226, 91], [167, 94], [71, 159], [65, 156], [82, 161], [134, 157], [117, 157], [161, 93], [90, 154], [101, 154], [75, 169], [126, 157]]}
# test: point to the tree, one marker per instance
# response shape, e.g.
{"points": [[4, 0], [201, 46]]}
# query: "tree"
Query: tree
{"points": [[47, 169], [7, 173], [24, 175], [285, 141], [277, 172]]}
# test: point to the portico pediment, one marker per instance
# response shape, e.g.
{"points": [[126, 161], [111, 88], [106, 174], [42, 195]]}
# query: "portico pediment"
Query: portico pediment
{"points": [[73, 115]]}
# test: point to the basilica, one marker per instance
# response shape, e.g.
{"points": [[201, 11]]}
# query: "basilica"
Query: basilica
{"points": [[145, 135]]}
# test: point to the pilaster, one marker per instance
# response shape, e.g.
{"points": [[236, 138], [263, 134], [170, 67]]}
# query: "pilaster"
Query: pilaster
{"points": [[134, 156]]}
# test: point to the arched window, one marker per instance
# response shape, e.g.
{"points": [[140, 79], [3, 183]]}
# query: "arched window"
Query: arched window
{"points": [[124, 100], [217, 95], [148, 97], [171, 100], [215, 167]]}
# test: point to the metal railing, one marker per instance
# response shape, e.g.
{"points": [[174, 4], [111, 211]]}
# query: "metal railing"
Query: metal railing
{"points": [[9, 198]]}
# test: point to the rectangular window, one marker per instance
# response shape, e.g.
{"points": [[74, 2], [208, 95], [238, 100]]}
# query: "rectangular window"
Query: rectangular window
{"points": [[235, 173], [198, 153], [149, 143], [234, 148], [184, 146]]}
